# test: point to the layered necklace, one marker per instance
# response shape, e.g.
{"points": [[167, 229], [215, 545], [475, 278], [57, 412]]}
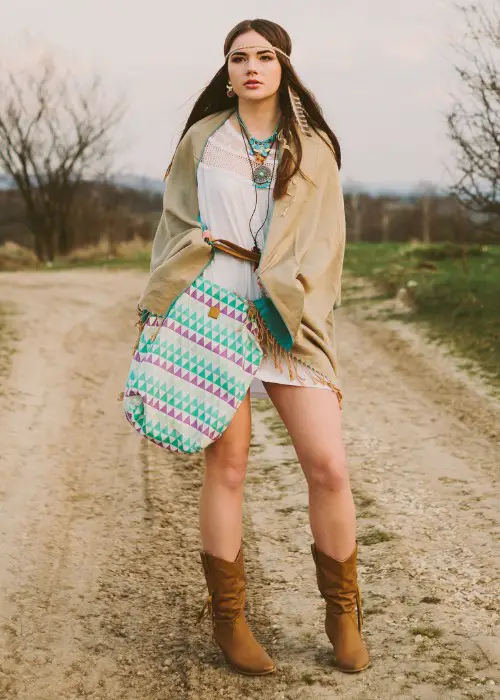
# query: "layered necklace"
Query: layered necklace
{"points": [[262, 174]]}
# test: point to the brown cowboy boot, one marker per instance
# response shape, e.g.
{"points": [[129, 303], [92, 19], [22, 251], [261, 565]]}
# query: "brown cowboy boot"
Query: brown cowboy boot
{"points": [[226, 602], [337, 583]]}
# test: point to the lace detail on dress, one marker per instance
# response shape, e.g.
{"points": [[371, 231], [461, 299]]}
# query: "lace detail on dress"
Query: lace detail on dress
{"points": [[225, 150]]}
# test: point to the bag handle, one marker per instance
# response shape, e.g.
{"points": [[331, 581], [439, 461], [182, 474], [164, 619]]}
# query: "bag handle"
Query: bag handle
{"points": [[236, 250]]}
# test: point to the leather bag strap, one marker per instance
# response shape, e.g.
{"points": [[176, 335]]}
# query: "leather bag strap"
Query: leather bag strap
{"points": [[236, 250]]}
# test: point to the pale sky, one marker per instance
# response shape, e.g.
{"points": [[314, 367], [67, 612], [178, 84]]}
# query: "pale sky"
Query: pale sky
{"points": [[381, 70]]}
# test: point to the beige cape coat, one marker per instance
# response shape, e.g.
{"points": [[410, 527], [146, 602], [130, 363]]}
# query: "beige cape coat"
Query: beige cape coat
{"points": [[301, 264]]}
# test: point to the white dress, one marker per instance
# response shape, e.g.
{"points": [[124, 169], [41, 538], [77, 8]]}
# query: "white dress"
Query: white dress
{"points": [[226, 195]]}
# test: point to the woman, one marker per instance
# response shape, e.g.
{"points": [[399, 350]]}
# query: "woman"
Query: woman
{"points": [[258, 165]]}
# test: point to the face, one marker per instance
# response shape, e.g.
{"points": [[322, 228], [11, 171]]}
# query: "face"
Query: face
{"points": [[255, 74]]}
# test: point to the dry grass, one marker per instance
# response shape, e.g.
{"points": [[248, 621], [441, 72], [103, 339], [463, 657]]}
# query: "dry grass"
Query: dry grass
{"points": [[137, 252], [134, 253], [375, 537], [429, 631], [16, 257], [7, 344]]}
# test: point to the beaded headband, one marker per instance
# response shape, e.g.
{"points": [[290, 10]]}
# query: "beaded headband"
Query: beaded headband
{"points": [[257, 46]]}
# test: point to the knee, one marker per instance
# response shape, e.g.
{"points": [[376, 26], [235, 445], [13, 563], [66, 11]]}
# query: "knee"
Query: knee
{"points": [[328, 472], [226, 466]]}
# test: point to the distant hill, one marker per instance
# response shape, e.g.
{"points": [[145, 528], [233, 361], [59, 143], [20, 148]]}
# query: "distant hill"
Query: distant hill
{"points": [[139, 182], [157, 185], [380, 189], [5, 182]]}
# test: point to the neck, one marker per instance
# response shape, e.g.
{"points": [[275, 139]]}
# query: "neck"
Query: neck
{"points": [[261, 117]]}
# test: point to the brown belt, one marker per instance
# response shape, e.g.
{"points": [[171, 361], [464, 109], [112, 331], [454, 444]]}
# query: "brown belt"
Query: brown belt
{"points": [[236, 250]]}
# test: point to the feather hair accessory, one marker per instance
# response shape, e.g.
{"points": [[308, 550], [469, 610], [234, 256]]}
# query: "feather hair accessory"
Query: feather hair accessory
{"points": [[283, 141], [299, 112]]}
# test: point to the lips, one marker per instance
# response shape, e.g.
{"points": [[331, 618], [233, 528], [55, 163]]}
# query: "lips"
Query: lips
{"points": [[252, 83]]}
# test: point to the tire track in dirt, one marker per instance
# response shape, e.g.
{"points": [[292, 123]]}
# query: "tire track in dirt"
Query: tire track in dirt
{"points": [[101, 578], [176, 656], [61, 461]]}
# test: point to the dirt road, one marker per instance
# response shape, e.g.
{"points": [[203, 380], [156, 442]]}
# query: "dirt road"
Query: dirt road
{"points": [[100, 579]]}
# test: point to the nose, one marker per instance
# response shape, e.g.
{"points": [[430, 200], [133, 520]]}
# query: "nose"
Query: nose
{"points": [[251, 66]]}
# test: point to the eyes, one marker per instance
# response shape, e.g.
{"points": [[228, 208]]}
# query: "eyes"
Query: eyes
{"points": [[264, 57]]}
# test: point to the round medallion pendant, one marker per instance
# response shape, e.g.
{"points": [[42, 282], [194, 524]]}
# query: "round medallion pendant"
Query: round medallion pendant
{"points": [[262, 174]]}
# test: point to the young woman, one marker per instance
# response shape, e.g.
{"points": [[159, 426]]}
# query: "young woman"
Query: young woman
{"points": [[258, 165]]}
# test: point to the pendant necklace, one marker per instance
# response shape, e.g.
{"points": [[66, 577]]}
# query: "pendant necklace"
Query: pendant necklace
{"points": [[260, 148], [262, 175]]}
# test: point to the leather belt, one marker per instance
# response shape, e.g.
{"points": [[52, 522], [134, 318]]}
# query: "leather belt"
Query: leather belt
{"points": [[236, 250]]}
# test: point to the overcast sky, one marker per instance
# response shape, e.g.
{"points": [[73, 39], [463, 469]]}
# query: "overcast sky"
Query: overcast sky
{"points": [[379, 68]]}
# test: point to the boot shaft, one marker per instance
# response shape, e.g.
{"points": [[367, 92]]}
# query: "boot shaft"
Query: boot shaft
{"points": [[226, 585], [337, 581]]}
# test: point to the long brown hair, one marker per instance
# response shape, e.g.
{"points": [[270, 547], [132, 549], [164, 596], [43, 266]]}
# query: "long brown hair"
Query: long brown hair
{"points": [[214, 99]]}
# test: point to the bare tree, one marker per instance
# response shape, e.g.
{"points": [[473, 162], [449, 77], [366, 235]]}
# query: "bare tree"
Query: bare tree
{"points": [[53, 135], [474, 119]]}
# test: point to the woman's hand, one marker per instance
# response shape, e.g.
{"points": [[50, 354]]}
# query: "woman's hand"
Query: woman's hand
{"points": [[207, 235]]}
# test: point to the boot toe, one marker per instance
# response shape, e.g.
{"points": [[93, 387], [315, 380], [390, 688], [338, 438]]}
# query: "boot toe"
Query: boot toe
{"points": [[351, 654], [353, 662], [243, 651]]}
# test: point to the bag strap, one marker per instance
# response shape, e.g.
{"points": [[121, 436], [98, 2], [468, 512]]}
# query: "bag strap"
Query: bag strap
{"points": [[236, 250]]}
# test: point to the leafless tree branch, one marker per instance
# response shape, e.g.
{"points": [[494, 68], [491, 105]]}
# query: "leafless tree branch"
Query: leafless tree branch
{"points": [[474, 118], [54, 134]]}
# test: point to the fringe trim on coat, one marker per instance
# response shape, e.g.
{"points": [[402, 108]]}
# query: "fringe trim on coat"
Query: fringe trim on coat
{"points": [[270, 346], [141, 322]]}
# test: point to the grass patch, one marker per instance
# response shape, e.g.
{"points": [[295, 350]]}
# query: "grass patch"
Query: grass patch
{"points": [[278, 428], [431, 599], [373, 611], [375, 537], [308, 678], [7, 339], [261, 404], [430, 632], [128, 254], [454, 290], [362, 500]]}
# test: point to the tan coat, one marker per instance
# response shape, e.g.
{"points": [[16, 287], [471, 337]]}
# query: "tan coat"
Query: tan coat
{"points": [[301, 264]]}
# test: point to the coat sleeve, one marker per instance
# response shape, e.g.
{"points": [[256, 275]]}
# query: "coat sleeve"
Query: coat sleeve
{"points": [[178, 225], [335, 216], [179, 252], [322, 261]]}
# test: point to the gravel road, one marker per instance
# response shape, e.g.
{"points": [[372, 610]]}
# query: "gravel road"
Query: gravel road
{"points": [[100, 577]]}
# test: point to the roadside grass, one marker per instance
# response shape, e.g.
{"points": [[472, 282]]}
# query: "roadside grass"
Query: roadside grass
{"points": [[7, 339], [128, 254], [454, 290]]}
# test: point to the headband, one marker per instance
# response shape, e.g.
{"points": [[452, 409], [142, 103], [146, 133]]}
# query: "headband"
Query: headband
{"points": [[257, 46]]}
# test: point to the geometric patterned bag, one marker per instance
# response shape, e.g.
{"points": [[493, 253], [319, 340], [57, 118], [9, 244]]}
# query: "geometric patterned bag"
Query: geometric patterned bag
{"points": [[192, 368]]}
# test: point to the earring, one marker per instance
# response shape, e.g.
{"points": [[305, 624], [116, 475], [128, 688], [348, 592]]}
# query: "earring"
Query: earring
{"points": [[230, 91]]}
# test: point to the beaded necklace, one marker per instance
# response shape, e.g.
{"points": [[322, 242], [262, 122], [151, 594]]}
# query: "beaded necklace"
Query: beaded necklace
{"points": [[262, 175], [261, 148]]}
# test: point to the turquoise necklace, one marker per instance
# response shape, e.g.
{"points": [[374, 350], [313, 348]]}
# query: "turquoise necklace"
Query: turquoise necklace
{"points": [[261, 148], [262, 175]]}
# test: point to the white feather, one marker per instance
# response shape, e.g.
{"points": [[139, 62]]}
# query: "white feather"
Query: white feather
{"points": [[299, 112]]}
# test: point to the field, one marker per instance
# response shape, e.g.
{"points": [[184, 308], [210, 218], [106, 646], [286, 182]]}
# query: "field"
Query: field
{"points": [[455, 292]]}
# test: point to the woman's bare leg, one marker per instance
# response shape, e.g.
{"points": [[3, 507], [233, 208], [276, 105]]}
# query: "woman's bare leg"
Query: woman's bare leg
{"points": [[313, 420], [221, 498]]}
